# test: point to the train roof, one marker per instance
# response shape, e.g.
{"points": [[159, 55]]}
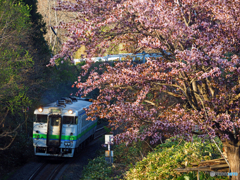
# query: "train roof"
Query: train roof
{"points": [[79, 105], [75, 106]]}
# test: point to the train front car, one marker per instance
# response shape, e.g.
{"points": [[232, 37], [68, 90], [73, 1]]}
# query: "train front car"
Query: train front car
{"points": [[60, 128]]}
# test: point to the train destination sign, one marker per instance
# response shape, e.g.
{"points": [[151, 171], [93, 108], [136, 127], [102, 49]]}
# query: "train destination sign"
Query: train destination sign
{"points": [[55, 110]]}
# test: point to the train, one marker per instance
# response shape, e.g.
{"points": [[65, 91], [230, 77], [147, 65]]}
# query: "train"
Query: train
{"points": [[60, 128]]}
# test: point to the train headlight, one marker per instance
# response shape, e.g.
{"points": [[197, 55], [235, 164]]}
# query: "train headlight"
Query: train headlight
{"points": [[70, 111], [40, 109], [67, 143]]}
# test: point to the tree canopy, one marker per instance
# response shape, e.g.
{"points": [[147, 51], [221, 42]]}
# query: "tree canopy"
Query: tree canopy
{"points": [[15, 66], [194, 84]]}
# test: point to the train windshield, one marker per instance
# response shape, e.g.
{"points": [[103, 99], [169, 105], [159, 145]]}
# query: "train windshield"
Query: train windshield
{"points": [[55, 120], [41, 118], [69, 120]]}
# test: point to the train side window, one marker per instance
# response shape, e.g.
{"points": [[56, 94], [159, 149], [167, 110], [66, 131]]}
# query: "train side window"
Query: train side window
{"points": [[69, 120], [41, 118], [76, 120], [84, 121]]}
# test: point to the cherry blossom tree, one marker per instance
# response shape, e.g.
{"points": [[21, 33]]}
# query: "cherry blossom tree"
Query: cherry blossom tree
{"points": [[194, 84]]}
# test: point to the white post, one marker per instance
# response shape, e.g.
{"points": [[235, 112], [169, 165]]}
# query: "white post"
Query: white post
{"points": [[108, 141], [109, 149]]}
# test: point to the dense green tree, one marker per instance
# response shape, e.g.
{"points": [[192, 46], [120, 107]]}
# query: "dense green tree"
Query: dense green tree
{"points": [[15, 64], [24, 78], [38, 25], [39, 51]]}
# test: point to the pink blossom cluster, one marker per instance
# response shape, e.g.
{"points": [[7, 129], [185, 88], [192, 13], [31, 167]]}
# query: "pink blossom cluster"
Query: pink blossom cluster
{"points": [[194, 84]]}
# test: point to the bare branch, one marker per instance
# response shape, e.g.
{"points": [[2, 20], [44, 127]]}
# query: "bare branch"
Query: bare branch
{"points": [[150, 102]]}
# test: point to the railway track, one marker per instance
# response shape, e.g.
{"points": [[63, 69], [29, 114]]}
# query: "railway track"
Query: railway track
{"points": [[99, 132], [47, 171], [50, 170], [39, 169]]}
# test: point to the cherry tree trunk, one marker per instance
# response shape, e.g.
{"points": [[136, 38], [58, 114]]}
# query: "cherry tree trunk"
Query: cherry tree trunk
{"points": [[232, 151]]}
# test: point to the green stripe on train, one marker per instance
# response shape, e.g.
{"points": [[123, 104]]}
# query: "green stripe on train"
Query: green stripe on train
{"points": [[63, 137], [85, 131]]}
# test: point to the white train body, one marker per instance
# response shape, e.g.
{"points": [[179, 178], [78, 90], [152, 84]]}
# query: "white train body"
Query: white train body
{"points": [[60, 129]]}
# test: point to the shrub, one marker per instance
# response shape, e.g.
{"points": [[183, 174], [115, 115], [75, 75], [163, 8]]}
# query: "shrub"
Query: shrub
{"points": [[125, 156], [97, 169], [130, 154], [166, 157]]}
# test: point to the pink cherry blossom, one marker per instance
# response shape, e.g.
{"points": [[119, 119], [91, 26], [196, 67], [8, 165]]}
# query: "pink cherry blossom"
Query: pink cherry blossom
{"points": [[194, 83]]}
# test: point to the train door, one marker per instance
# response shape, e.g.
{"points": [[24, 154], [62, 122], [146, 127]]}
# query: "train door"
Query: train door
{"points": [[79, 127], [54, 130]]}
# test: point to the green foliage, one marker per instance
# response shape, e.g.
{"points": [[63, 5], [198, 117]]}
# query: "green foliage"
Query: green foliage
{"points": [[202, 176], [160, 163], [97, 169], [15, 64], [19, 80], [38, 25], [66, 71], [15, 61], [60, 80], [130, 154], [108, 130], [81, 64], [15, 16], [127, 156], [17, 103]]}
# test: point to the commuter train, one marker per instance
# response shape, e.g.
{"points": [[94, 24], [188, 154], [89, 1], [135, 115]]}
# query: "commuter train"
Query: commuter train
{"points": [[61, 128]]}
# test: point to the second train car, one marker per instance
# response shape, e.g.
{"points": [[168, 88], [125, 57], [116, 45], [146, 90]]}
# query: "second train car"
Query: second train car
{"points": [[60, 128]]}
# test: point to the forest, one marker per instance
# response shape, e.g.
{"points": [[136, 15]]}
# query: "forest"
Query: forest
{"points": [[25, 81]]}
